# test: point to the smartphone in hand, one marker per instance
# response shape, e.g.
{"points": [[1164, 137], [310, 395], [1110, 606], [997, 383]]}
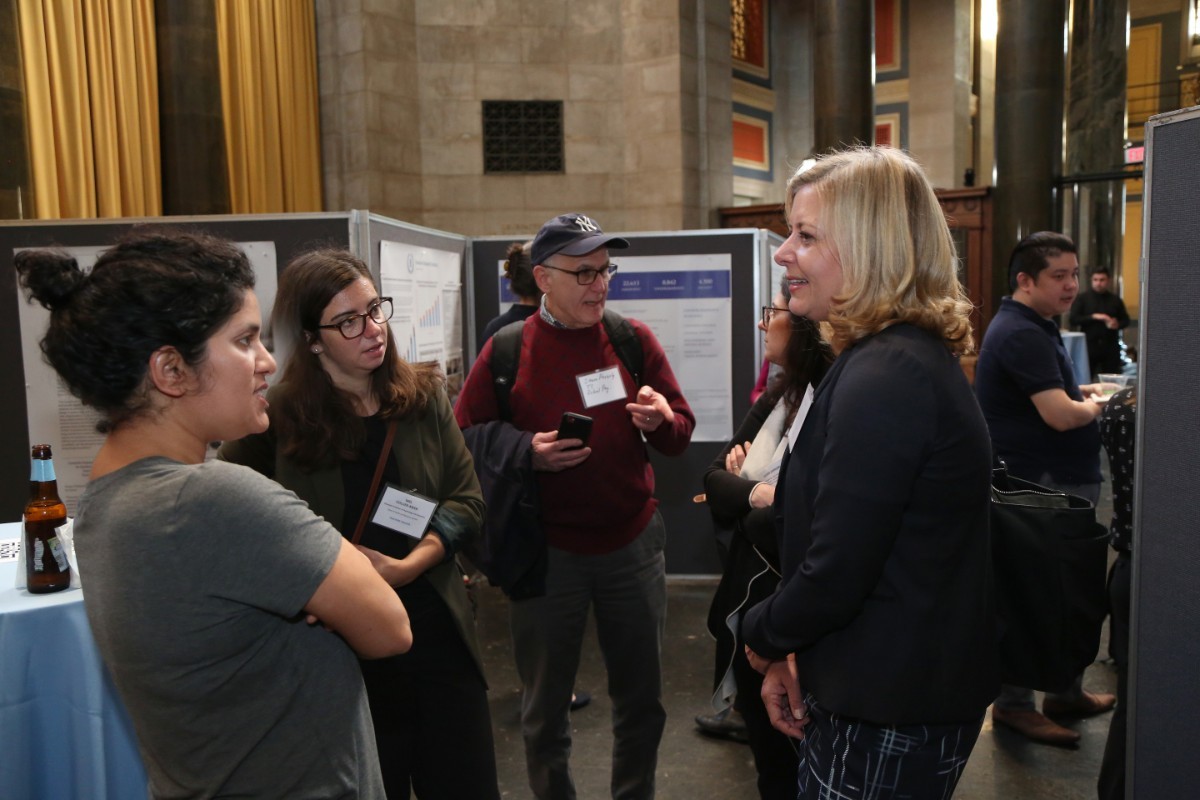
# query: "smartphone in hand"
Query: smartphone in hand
{"points": [[575, 426]]}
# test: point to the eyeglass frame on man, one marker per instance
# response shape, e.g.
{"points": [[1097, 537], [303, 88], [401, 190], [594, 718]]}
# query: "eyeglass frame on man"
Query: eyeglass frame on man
{"points": [[608, 270], [768, 312], [361, 319]]}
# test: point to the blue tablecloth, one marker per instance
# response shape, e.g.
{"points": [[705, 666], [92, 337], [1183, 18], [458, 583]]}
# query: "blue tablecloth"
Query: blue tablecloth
{"points": [[1076, 346], [64, 732]]}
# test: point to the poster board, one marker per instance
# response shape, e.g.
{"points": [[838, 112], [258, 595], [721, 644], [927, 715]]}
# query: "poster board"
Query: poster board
{"points": [[1166, 549]]}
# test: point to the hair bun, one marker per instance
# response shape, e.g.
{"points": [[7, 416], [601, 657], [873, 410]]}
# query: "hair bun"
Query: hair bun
{"points": [[50, 276]]}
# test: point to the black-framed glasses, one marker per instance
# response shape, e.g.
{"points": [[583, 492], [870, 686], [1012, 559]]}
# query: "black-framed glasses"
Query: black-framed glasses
{"points": [[768, 312], [587, 276], [353, 326]]}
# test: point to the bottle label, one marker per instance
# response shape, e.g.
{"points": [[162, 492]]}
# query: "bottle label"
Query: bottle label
{"points": [[42, 470], [54, 546]]}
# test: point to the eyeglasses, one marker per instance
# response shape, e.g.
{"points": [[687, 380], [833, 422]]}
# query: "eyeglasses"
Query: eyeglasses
{"points": [[768, 312], [354, 325], [586, 277]]}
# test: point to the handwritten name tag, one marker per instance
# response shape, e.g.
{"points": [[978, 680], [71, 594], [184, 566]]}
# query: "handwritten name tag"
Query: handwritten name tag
{"points": [[404, 512], [601, 386]]}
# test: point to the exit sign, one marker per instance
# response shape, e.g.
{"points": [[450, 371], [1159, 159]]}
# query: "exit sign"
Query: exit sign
{"points": [[1135, 155]]}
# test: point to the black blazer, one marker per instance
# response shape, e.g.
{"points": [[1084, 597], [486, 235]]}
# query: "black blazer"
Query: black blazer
{"points": [[886, 597]]}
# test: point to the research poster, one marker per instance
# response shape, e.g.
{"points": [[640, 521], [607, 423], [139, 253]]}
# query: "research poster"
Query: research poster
{"points": [[687, 301], [55, 416], [426, 290]]}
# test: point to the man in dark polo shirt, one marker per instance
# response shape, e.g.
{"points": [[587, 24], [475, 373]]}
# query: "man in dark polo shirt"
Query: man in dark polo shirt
{"points": [[1043, 426]]}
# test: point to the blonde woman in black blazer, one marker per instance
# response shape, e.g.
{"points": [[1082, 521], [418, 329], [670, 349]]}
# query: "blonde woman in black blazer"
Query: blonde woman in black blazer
{"points": [[879, 647]]}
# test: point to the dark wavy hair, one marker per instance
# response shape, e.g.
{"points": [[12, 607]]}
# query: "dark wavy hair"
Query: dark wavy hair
{"points": [[315, 421], [153, 289], [519, 271], [806, 359]]}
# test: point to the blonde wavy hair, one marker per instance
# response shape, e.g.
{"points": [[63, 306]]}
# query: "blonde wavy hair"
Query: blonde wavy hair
{"points": [[898, 261]]}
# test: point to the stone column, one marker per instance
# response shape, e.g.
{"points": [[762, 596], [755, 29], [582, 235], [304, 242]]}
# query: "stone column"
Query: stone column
{"points": [[16, 184], [1095, 132], [939, 106], [1029, 90], [791, 50], [843, 73], [371, 108], [195, 174]]}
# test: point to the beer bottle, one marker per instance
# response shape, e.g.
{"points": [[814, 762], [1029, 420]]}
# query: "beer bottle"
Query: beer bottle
{"points": [[46, 567]]}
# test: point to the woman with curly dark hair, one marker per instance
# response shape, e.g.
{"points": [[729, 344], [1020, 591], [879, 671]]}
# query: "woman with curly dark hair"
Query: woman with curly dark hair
{"points": [[198, 573], [347, 407]]}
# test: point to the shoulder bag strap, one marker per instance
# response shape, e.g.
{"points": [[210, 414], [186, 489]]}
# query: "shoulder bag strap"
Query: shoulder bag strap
{"points": [[383, 457]]}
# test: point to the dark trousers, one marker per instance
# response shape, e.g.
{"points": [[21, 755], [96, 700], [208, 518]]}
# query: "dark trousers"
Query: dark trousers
{"points": [[775, 756], [433, 729], [1111, 785], [850, 759], [626, 591]]}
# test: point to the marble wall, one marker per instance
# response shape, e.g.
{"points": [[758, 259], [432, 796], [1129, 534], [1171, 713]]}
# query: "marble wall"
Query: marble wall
{"points": [[645, 92]]}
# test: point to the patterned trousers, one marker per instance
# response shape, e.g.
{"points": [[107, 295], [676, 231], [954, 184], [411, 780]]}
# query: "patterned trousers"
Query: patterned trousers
{"points": [[848, 759]]}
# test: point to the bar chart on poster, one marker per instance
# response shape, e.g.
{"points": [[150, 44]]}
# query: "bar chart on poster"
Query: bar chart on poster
{"points": [[425, 285]]}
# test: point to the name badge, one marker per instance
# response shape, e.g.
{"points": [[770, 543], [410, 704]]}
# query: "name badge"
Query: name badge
{"points": [[601, 386], [404, 512]]}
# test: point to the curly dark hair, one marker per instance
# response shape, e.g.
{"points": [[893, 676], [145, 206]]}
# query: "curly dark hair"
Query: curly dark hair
{"points": [[315, 421], [153, 289], [806, 359]]}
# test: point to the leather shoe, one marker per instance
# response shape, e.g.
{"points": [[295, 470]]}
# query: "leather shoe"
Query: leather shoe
{"points": [[579, 699], [726, 724], [1088, 705], [1035, 726]]}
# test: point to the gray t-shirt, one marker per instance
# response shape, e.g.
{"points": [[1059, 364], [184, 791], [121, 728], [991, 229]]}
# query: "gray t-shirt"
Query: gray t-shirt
{"points": [[195, 576]]}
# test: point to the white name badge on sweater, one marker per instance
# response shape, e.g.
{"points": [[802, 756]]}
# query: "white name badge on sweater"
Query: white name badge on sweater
{"points": [[404, 512], [600, 387]]}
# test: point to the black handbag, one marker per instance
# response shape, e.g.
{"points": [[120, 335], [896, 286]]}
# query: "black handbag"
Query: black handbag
{"points": [[1049, 557]]}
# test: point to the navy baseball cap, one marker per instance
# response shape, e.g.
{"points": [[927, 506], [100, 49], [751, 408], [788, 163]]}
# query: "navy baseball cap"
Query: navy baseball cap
{"points": [[571, 235]]}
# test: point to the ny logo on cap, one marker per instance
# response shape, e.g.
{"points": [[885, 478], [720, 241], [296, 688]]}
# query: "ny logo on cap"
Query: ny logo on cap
{"points": [[585, 224]]}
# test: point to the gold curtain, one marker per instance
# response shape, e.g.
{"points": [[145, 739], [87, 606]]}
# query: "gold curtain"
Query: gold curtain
{"points": [[267, 51], [91, 85]]}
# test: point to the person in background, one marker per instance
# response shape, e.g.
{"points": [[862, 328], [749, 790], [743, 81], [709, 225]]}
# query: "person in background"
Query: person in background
{"points": [[1043, 426], [344, 386], [1101, 315], [1118, 433], [200, 574], [879, 648], [519, 273], [740, 488], [604, 534]]}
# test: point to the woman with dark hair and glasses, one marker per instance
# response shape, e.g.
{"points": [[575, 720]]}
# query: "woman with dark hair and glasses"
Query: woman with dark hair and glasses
{"points": [[348, 404], [198, 573], [740, 489]]}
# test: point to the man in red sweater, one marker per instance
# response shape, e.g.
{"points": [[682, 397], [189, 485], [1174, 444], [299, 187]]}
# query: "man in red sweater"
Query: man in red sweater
{"points": [[598, 512]]}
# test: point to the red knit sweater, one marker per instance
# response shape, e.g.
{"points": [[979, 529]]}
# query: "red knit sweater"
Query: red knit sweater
{"points": [[605, 502]]}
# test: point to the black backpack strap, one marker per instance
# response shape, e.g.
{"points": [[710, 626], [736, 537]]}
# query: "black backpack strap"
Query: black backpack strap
{"points": [[626, 345], [506, 357]]}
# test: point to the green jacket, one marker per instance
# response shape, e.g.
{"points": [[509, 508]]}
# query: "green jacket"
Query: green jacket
{"points": [[432, 459]]}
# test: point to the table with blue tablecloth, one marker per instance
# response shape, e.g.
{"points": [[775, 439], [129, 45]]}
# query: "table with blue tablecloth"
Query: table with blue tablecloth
{"points": [[1076, 346], [64, 732]]}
